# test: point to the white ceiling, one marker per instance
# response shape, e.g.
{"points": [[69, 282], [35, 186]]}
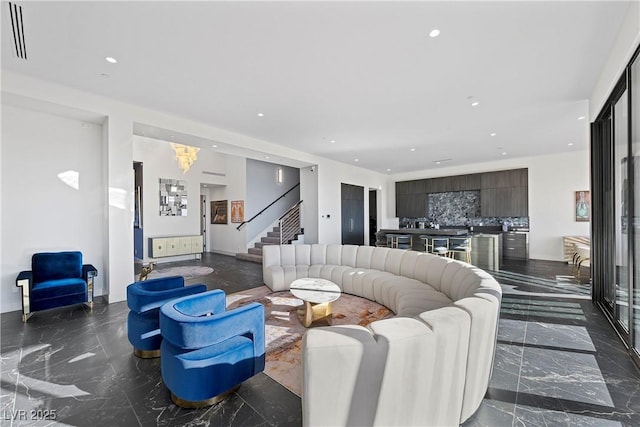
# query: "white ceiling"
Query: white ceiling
{"points": [[365, 74]]}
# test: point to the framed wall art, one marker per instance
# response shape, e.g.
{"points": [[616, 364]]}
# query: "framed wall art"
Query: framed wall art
{"points": [[173, 197], [583, 206], [219, 212], [237, 210]]}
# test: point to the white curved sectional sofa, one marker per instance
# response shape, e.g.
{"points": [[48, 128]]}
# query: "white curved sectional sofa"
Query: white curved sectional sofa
{"points": [[429, 365]]}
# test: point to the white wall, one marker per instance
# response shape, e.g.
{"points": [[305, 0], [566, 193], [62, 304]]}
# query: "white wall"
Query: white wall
{"points": [[226, 238], [116, 160], [40, 211], [330, 175], [158, 159], [263, 189], [625, 45], [553, 181], [309, 197]]}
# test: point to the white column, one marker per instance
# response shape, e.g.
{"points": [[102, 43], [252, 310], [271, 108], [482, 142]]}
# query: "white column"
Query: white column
{"points": [[118, 157]]}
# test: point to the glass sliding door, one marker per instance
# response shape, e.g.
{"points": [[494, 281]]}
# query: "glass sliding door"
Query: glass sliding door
{"points": [[621, 210], [634, 111], [615, 227]]}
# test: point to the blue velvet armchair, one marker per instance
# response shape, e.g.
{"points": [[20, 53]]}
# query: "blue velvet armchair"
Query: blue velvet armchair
{"points": [[207, 352], [56, 279], [144, 299]]}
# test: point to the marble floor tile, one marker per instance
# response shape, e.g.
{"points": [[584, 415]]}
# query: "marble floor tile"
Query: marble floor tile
{"points": [[557, 363]]}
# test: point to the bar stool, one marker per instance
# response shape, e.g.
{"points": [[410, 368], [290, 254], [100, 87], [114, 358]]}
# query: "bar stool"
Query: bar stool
{"points": [[437, 245], [399, 241], [460, 245], [404, 241]]}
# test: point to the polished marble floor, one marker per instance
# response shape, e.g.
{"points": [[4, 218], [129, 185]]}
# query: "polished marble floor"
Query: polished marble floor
{"points": [[558, 363]]}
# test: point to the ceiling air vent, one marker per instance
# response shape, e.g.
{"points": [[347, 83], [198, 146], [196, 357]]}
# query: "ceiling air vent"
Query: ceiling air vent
{"points": [[17, 25]]}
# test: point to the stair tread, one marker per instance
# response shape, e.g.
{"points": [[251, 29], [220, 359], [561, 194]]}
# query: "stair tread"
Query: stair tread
{"points": [[249, 257], [271, 240]]}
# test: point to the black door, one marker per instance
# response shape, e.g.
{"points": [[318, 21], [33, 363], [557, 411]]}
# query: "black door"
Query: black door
{"points": [[352, 214], [373, 217]]}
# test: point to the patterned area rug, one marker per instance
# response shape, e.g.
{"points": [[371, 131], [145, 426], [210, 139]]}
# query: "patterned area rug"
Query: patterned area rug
{"points": [[186, 272], [284, 331]]}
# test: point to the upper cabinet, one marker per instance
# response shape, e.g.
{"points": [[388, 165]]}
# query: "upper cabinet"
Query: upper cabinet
{"points": [[505, 193], [502, 193], [505, 179]]}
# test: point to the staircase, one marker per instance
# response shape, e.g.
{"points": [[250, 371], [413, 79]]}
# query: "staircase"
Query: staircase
{"points": [[285, 233], [255, 253]]}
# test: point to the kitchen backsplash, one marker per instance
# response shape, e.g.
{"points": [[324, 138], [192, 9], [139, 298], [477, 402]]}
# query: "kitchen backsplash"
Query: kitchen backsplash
{"points": [[460, 208], [453, 208]]}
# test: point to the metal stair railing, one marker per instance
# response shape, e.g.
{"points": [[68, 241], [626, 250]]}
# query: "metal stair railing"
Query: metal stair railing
{"points": [[290, 224], [243, 223]]}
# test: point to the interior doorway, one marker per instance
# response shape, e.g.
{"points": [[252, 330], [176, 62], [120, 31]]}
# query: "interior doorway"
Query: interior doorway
{"points": [[352, 214], [373, 216], [203, 220], [138, 234]]}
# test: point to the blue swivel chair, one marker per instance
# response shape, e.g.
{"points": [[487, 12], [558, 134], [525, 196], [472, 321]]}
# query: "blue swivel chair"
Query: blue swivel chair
{"points": [[208, 352], [56, 279], [144, 300]]}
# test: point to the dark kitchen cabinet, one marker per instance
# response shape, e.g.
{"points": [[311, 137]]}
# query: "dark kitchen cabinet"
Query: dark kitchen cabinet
{"points": [[505, 179], [515, 245], [502, 193], [411, 205], [502, 202]]}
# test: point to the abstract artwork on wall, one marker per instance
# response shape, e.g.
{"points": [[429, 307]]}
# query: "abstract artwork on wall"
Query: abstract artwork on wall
{"points": [[583, 206], [173, 197], [219, 212]]}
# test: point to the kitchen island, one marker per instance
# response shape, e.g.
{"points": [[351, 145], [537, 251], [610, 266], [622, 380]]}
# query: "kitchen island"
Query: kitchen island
{"points": [[486, 247]]}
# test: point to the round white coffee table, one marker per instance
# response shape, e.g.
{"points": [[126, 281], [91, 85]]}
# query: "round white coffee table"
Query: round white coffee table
{"points": [[317, 294]]}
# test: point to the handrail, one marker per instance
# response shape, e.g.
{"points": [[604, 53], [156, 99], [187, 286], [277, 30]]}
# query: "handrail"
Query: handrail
{"points": [[268, 206], [289, 210]]}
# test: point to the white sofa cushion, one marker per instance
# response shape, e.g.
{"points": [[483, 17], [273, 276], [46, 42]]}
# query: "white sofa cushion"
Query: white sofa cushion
{"points": [[429, 365]]}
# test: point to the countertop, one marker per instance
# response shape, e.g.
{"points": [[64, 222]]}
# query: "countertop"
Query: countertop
{"points": [[428, 231]]}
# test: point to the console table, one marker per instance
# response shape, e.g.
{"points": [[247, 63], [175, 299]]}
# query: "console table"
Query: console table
{"points": [[165, 246]]}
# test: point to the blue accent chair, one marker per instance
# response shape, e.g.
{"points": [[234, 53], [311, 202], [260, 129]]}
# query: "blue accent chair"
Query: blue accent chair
{"points": [[56, 279], [207, 352], [144, 300]]}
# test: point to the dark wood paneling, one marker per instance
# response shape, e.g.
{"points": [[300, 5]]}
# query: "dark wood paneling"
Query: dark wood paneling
{"points": [[503, 193], [402, 187], [411, 205], [512, 201]]}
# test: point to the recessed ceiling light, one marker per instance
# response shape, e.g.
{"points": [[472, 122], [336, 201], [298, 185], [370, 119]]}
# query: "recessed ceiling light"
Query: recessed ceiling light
{"points": [[111, 60], [581, 118], [413, 149], [260, 115], [266, 157], [504, 153], [434, 33], [570, 144], [388, 170], [493, 134], [356, 160], [333, 141], [475, 103], [438, 162], [214, 146]]}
